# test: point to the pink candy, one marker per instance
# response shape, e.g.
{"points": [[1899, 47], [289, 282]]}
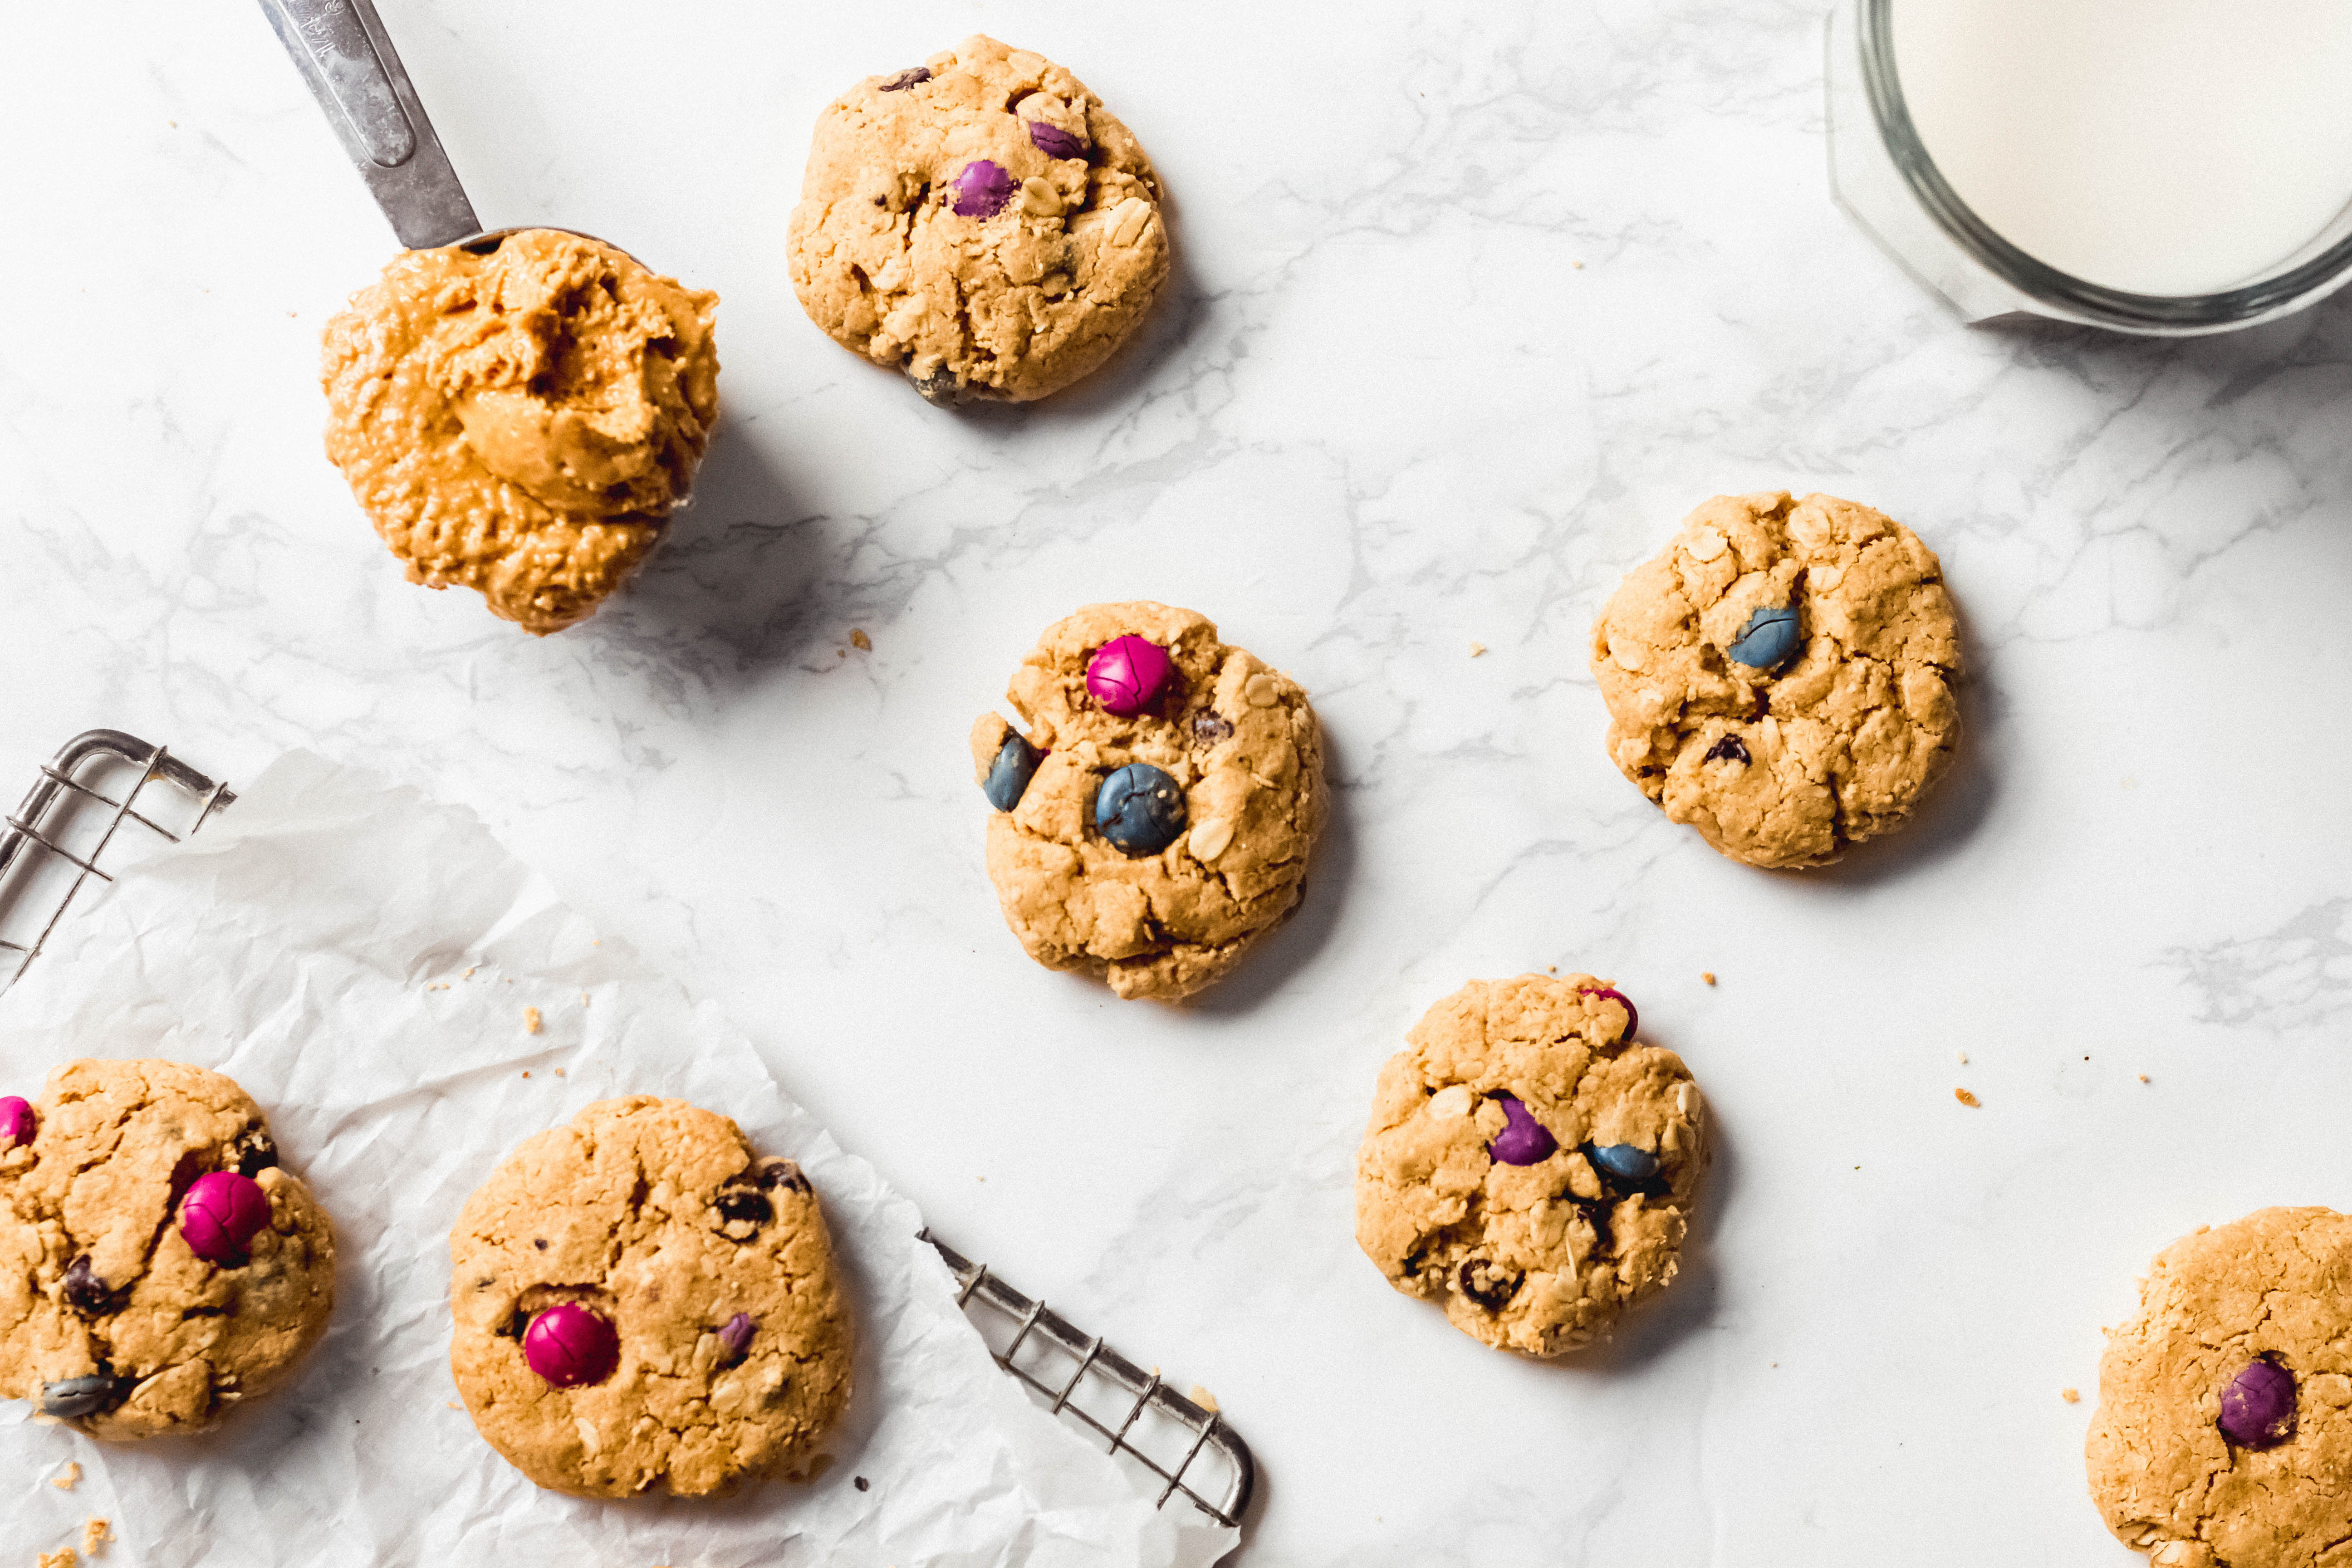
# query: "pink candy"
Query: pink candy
{"points": [[221, 1215], [1632, 1018], [570, 1346], [1128, 674], [17, 1123]]}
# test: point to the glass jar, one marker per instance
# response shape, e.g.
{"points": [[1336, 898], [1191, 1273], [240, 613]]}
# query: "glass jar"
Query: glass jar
{"points": [[1882, 177]]}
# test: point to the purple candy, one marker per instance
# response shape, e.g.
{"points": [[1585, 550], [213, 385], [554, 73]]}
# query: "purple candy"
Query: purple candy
{"points": [[1128, 674], [983, 189], [1054, 142], [913, 75], [2258, 1407], [570, 1346], [1522, 1140], [735, 1338], [221, 1215], [17, 1123], [1632, 1018]]}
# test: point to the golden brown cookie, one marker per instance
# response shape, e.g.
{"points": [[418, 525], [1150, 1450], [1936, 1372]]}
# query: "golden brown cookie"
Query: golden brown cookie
{"points": [[1527, 1165], [124, 1309], [980, 221], [1781, 678], [1152, 838], [642, 1305], [521, 416], [2223, 1436]]}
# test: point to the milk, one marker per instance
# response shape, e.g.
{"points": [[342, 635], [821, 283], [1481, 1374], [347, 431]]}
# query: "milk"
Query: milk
{"points": [[2159, 146]]}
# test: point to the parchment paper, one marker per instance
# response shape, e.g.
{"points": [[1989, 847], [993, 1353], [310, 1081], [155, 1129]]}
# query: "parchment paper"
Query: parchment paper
{"points": [[360, 959]]}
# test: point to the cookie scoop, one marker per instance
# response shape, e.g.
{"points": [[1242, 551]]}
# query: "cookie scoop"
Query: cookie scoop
{"points": [[221, 1215], [572, 1346]]}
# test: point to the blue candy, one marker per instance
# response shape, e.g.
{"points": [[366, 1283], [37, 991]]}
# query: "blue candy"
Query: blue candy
{"points": [[1770, 639], [1622, 1163], [1009, 776], [1140, 809]]}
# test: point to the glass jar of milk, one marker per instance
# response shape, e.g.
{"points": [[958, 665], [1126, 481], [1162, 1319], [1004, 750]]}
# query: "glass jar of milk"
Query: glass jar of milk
{"points": [[2162, 166]]}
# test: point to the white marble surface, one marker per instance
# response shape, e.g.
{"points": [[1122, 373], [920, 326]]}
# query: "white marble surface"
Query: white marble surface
{"points": [[1384, 413]]}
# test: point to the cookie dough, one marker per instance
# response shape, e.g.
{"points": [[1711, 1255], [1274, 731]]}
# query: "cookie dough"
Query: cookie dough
{"points": [[1527, 1165], [109, 1319], [1242, 748], [519, 416], [656, 1216], [2167, 1476], [1783, 766], [980, 221]]}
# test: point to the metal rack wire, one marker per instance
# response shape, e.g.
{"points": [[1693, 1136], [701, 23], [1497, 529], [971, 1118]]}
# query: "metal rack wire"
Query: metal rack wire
{"points": [[53, 844]]}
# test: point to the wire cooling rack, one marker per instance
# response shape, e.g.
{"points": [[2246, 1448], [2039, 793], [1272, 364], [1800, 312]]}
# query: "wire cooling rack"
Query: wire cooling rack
{"points": [[100, 782]]}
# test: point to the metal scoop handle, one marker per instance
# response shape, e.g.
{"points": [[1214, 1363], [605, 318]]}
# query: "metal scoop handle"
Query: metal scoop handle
{"points": [[347, 60]]}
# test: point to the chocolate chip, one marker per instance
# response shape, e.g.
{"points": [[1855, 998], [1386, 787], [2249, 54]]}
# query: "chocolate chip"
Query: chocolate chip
{"points": [[256, 1151], [1730, 749], [73, 1398], [773, 1173], [862, 1483], [540, 1242], [85, 1293], [743, 1207], [1209, 727], [911, 76], [1596, 1215], [1489, 1283]]}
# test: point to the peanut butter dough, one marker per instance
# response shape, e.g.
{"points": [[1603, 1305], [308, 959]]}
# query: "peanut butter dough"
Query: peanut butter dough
{"points": [[521, 416], [1012, 285], [1787, 765]]}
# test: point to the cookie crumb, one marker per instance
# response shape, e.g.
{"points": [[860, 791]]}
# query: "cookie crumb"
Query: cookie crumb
{"points": [[63, 1559], [531, 1020], [2143, 1078], [95, 1533], [560, 1073], [861, 1483], [2071, 1395], [1964, 1058], [453, 1405], [1477, 648], [65, 1482], [1578, 265], [1204, 1399], [859, 640], [1553, 967], [1707, 975], [526, 1072], [1965, 1097]]}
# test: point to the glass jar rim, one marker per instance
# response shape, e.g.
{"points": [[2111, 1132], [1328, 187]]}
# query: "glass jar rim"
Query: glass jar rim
{"points": [[2095, 303]]}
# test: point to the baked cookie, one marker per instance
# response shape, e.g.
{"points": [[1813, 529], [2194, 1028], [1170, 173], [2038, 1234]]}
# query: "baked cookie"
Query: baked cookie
{"points": [[642, 1305], [158, 1267], [519, 416], [1158, 817], [1781, 678], [980, 221], [1527, 1165], [2224, 1434]]}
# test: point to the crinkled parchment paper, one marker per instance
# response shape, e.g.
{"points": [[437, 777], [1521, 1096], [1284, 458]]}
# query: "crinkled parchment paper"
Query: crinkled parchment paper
{"points": [[361, 960]]}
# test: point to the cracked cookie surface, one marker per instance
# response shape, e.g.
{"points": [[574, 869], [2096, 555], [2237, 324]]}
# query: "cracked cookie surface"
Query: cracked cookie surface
{"points": [[1011, 303], [655, 1215], [2275, 1285], [1242, 744], [1540, 1257], [96, 1279], [1787, 767], [522, 421]]}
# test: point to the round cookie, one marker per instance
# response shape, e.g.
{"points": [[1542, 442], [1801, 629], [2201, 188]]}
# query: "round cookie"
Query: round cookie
{"points": [[124, 1310], [521, 420], [1781, 678], [710, 1275], [1152, 846], [1527, 1165], [2201, 1454], [980, 221]]}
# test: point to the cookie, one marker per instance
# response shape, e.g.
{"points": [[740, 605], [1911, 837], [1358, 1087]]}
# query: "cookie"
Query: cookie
{"points": [[980, 221], [644, 1306], [158, 1265], [521, 416], [1781, 678], [1158, 816], [2224, 1427], [1527, 1165]]}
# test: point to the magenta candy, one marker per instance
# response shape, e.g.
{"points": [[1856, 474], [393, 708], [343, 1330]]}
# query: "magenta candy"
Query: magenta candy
{"points": [[17, 1123], [1054, 142], [221, 1215], [1632, 1018], [983, 189], [570, 1346], [2258, 1407], [1522, 1140], [1128, 674]]}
